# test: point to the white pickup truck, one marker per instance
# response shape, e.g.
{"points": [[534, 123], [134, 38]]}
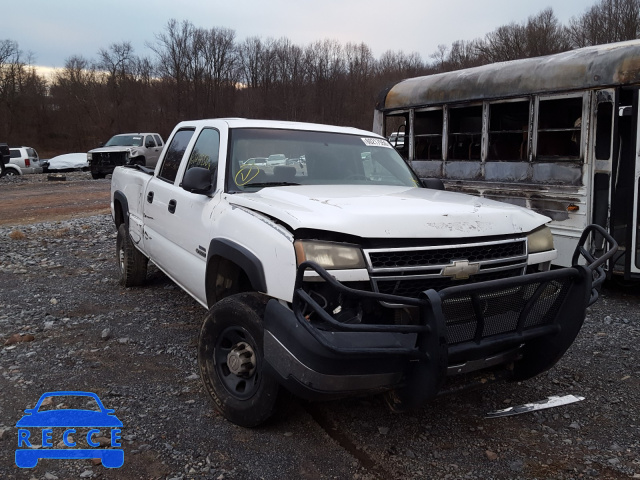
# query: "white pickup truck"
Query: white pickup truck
{"points": [[338, 271]]}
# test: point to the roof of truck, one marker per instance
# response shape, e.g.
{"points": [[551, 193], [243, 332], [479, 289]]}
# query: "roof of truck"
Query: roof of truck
{"points": [[279, 124]]}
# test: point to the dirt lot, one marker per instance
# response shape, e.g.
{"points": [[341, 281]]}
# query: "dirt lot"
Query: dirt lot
{"points": [[35, 198], [66, 324]]}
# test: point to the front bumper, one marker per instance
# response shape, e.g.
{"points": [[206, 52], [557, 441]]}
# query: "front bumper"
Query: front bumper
{"points": [[526, 322]]}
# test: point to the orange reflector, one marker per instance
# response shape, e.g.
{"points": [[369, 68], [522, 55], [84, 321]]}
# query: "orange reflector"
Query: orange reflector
{"points": [[573, 208]]}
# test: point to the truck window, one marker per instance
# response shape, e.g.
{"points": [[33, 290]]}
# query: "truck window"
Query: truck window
{"points": [[173, 157], [205, 151]]}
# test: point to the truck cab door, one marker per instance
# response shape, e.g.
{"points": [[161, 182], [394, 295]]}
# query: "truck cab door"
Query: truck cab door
{"points": [[178, 222], [153, 151]]}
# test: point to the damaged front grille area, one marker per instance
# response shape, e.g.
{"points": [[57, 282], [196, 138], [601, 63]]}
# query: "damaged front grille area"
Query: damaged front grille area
{"points": [[109, 158], [410, 271]]}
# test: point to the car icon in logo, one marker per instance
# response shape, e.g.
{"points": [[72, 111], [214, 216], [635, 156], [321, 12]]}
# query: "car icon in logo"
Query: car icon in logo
{"points": [[38, 427]]}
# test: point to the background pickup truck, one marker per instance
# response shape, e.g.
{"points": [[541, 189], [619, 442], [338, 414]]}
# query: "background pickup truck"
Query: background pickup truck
{"points": [[342, 274], [125, 149]]}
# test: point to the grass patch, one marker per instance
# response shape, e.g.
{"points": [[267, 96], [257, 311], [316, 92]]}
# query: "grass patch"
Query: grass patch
{"points": [[60, 233]]}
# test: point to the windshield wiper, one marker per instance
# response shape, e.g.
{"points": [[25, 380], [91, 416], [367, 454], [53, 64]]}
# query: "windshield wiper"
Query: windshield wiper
{"points": [[272, 184]]}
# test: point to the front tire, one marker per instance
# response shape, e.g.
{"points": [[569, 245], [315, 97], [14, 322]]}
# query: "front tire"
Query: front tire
{"points": [[231, 360], [132, 264]]}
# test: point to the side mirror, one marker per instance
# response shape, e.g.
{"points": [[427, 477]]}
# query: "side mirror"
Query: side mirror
{"points": [[149, 144], [198, 180], [432, 183]]}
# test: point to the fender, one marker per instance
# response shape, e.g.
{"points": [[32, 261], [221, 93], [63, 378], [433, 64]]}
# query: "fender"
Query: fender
{"points": [[242, 257], [122, 198], [11, 166]]}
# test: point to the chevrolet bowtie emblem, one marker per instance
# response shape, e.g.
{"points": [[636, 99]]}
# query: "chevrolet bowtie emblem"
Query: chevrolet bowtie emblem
{"points": [[460, 269]]}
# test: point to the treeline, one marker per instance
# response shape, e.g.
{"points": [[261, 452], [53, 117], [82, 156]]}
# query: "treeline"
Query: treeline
{"points": [[199, 72]]}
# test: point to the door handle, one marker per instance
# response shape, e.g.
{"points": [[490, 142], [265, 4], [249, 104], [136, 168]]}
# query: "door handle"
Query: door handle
{"points": [[150, 197], [172, 206]]}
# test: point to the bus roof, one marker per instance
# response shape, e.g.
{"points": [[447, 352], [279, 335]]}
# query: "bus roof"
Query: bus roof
{"points": [[589, 67]]}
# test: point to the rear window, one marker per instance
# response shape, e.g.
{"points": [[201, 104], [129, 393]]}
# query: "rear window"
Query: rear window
{"points": [[124, 141]]}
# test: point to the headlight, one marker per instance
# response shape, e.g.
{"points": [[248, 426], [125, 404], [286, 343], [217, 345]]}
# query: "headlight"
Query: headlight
{"points": [[540, 240], [89, 156], [332, 256]]}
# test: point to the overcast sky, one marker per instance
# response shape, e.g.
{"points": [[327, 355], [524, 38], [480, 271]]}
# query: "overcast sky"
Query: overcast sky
{"points": [[54, 30]]}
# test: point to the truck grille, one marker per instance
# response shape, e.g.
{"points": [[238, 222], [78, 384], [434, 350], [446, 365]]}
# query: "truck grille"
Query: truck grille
{"points": [[410, 271], [109, 158]]}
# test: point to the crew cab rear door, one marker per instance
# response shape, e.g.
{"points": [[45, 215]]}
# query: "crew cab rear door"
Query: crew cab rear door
{"points": [[178, 222], [153, 150]]}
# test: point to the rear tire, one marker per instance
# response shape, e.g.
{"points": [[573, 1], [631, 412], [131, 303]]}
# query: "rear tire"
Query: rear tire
{"points": [[231, 360], [132, 264], [97, 176]]}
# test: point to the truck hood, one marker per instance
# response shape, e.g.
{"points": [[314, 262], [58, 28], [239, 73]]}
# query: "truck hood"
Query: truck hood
{"points": [[388, 211], [115, 148]]}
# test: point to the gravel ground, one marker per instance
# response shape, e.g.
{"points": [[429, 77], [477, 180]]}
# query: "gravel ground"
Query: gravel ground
{"points": [[66, 324]]}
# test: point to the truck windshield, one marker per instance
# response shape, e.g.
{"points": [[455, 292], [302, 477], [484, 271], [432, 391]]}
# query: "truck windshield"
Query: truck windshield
{"points": [[124, 141], [272, 157]]}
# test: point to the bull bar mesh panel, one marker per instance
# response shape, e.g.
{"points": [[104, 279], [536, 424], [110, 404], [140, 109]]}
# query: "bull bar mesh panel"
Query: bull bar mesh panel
{"points": [[478, 315]]}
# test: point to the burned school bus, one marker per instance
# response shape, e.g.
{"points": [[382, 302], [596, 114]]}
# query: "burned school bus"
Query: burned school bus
{"points": [[558, 134]]}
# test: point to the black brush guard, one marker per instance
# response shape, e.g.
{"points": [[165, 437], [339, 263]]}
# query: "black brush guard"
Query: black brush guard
{"points": [[539, 315]]}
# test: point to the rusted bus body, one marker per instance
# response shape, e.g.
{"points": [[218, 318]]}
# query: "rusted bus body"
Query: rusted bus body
{"points": [[558, 134]]}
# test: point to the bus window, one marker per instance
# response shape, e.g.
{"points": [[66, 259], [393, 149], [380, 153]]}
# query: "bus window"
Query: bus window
{"points": [[508, 131], [465, 133], [396, 130], [559, 128], [428, 135]]}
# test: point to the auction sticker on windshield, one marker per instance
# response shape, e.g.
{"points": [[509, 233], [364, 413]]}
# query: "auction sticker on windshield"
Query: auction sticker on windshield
{"points": [[376, 142], [69, 425]]}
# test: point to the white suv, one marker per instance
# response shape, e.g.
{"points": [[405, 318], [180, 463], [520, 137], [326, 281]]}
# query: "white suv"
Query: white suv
{"points": [[26, 158]]}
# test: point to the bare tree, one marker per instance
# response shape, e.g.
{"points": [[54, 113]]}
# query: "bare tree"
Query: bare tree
{"points": [[173, 51], [22, 96], [76, 92], [542, 34], [545, 35], [440, 56], [464, 54], [220, 57], [606, 22]]}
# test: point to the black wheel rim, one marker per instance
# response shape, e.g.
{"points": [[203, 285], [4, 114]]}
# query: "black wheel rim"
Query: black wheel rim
{"points": [[241, 387]]}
